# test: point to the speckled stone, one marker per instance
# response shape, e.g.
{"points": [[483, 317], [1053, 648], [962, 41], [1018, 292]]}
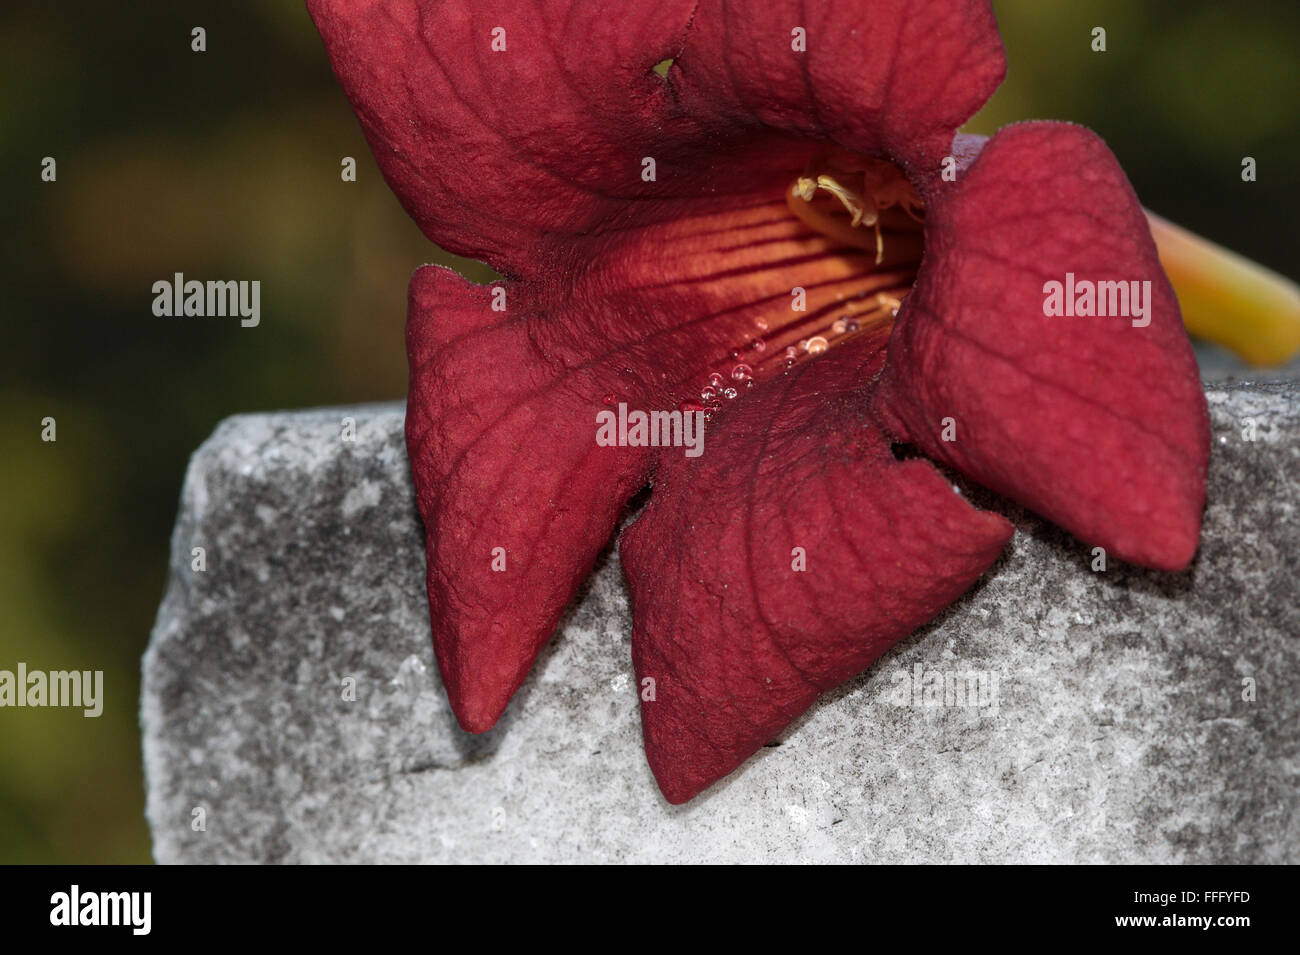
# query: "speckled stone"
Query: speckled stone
{"points": [[1135, 717]]}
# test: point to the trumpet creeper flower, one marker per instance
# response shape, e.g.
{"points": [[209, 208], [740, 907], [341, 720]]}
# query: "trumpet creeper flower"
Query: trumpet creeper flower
{"points": [[783, 234]]}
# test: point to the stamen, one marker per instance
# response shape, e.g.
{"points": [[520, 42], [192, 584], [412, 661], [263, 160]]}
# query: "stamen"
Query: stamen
{"points": [[821, 221], [860, 207], [851, 200], [883, 185], [859, 193]]}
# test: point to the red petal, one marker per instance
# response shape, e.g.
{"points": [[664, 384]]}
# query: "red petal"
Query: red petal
{"points": [[1097, 425], [501, 416], [888, 77], [737, 641], [514, 156], [490, 151], [532, 159], [505, 463]]}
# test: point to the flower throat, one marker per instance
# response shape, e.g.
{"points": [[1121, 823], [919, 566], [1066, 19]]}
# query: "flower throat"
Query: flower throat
{"points": [[872, 213]]}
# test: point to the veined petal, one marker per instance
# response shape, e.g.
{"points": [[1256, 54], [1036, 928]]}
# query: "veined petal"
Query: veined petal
{"points": [[517, 496], [1097, 423], [517, 131], [881, 77], [785, 559]]}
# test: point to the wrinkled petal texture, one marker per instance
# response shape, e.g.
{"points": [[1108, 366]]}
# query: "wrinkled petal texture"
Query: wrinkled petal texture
{"points": [[519, 133], [501, 414], [796, 551], [509, 155], [532, 159], [516, 496], [1096, 424]]}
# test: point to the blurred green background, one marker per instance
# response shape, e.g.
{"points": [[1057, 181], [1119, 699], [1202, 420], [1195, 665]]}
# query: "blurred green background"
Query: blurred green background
{"points": [[226, 164]]}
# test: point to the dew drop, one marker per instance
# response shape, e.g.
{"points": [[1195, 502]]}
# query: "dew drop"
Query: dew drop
{"points": [[817, 345], [716, 380], [729, 392], [839, 326], [709, 393], [760, 324], [741, 372], [759, 345], [609, 399]]}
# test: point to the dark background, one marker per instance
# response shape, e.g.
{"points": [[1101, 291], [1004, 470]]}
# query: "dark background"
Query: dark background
{"points": [[226, 164]]}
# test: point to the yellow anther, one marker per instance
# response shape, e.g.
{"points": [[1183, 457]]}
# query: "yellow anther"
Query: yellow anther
{"points": [[863, 207], [852, 201]]}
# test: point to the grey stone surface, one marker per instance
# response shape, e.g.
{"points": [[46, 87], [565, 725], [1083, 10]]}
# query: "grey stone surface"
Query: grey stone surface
{"points": [[1118, 731]]}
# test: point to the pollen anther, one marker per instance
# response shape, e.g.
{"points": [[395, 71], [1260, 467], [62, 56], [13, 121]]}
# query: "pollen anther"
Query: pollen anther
{"points": [[882, 186]]}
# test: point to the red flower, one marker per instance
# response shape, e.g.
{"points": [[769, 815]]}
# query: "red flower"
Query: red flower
{"points": [[654, 233]]}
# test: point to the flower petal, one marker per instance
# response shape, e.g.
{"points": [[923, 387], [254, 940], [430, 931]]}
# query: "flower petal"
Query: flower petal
{"points": [[495, 151], [501, 414], [736, 638], [881, 77], [512, 155], [517, 497], [1093, 422], [532, 157]]}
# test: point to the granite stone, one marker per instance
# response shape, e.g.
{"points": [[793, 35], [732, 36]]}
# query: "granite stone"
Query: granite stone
{"points": [[292, 709]]}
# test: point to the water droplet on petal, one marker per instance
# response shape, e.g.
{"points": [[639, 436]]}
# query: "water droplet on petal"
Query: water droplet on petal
{"points": [[760, 324], [729, 392], [716, 380], [759, 344], [741, 372], [839, 326], [609, 399], [817, 345]]}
